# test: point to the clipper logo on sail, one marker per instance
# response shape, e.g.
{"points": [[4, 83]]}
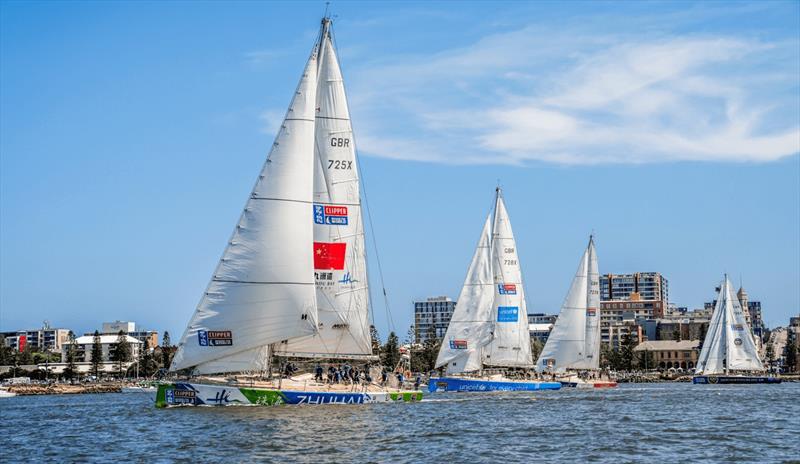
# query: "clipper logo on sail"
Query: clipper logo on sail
{"points": [[329, 256], [330, 214], [591, 311], [215, 337], [507, 289], [458, 344], [507, 313]]}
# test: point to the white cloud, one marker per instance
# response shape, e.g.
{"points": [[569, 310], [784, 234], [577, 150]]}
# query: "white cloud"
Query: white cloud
{"points": [[560, 97]]}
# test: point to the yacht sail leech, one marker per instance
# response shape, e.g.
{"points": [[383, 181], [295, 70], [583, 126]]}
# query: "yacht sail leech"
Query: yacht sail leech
{"points": [[729, 352], [489, 326], [292, 280]]}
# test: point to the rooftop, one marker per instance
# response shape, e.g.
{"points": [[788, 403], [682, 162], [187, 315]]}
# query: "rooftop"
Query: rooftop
{"points": [[104, 339], [667, 345]]}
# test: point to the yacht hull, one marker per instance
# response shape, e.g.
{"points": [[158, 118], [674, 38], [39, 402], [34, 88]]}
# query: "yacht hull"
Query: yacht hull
{"points": [[733, 379], [455, 384], [198, 394]]}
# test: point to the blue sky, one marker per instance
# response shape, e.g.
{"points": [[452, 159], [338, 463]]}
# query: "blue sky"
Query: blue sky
{"points": [[131, 133]]}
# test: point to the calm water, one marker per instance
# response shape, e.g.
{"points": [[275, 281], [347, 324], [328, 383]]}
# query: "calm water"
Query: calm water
{"points": [[634, 423]]}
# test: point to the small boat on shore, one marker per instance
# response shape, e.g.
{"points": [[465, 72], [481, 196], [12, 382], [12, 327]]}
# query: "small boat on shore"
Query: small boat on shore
{"points": [[139, 389], [292, 281], [572, 352], [489, 327], [729, 354]]}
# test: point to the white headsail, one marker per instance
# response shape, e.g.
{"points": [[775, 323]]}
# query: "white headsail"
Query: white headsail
{"points": [[592, 350], [262, 290], [728, 344], [470, 327], [574, 341], [340, 267], [511, 346]]}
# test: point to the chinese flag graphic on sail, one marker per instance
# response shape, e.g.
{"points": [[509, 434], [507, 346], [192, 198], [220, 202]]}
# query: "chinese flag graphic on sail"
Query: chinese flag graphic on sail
{"points": [[329, 255]]}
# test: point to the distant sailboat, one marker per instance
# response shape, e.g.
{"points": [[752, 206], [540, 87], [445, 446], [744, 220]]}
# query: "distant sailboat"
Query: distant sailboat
{"points": [[489, 327], [292, 281], [729, 353], [573, 346]]}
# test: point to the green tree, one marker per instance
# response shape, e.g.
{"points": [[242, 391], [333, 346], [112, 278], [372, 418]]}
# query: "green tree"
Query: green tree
{"points": [[791, 352], [25, 357], [676, 334], [6, 355], [645, 360], [770, 354], [97, 354], [122, 351], [167, 350], [376, 340], [390, 353], [536, 349], [71, 356], [626, 354], [429, 352]]}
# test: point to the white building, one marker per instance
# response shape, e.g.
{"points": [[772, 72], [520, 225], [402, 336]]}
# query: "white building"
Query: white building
{"points": [[107, 343]]}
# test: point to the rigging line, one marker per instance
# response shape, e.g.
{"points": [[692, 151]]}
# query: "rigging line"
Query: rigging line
{"points": [[332, 35]]}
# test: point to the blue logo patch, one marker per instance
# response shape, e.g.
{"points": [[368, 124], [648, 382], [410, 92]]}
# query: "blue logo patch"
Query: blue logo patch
{"points": [[330, 214], [507, 313], [202, 337]]}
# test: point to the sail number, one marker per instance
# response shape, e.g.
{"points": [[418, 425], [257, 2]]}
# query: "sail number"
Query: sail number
{"points": [[340, 142], [508, 250], [340, 164], [510, 262]]}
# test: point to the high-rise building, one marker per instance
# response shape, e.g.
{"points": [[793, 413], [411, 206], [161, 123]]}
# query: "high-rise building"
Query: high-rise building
{"points": [[648, 285], [46, 338], [433, 313]]}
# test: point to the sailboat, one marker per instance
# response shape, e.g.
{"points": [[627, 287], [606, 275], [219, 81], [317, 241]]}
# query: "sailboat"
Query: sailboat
{"points": [[729, 353], [489, 327], [572, 351], [292, 281]]}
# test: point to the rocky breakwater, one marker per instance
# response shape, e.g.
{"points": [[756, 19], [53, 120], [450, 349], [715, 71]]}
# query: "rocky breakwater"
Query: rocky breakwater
{"points": [[64, 389]]}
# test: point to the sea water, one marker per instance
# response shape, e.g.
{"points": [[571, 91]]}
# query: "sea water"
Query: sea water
{"points": [[668, 422]]}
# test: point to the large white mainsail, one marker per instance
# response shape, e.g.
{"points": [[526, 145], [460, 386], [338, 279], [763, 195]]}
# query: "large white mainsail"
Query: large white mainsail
{"points": [[511, 345], [262, 290], [728, 344], [340, 260], [470, 327]]}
